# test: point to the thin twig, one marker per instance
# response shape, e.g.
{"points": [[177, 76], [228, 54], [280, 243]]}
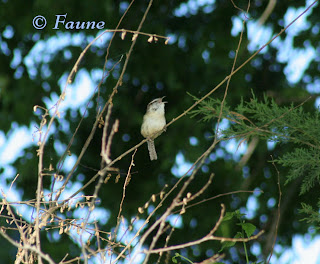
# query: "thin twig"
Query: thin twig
{"points": [[241, 66], [104, 170], [279, 211], [204, 239], [208, 237], [105, 153], [215, 197], [126, 182], [232, 70], [267, 12], [27, 247]]}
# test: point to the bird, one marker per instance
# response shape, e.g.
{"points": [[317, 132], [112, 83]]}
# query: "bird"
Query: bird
{"points": [[154, 122]]}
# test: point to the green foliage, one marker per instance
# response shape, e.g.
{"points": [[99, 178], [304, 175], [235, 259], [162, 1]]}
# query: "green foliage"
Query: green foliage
{"points": [[229, 244], [248, 228], [265, 119], [313, 215], [154, 70], [281, 124], [303, 163], [229, 215], [177, 255]]}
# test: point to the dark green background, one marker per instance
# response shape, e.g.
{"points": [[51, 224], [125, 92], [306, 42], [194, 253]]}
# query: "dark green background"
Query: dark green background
{"points": [[156, 70]]}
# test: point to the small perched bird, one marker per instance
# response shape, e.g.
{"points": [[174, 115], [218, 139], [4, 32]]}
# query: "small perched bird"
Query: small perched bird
{"points": [[153, 124]]}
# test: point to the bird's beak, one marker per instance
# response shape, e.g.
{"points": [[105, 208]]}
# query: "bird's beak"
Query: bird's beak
{"points": [[162, 99]]}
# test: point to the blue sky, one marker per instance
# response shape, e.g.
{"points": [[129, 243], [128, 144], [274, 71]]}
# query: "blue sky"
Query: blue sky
{"points": [[304, 250]]}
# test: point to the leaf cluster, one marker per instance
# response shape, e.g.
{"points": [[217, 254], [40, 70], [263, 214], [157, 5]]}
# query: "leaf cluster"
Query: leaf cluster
{"points": [[278, 124]]}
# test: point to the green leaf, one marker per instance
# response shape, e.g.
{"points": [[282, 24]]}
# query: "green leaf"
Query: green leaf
{"points": [[228, 244], [248, 228], [229, 215]]}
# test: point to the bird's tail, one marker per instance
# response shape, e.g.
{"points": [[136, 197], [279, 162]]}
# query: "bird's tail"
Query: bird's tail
{"points": [[152, 150]]}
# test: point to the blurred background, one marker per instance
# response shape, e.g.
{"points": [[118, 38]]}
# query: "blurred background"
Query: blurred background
{"points": [[204, 35]]}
